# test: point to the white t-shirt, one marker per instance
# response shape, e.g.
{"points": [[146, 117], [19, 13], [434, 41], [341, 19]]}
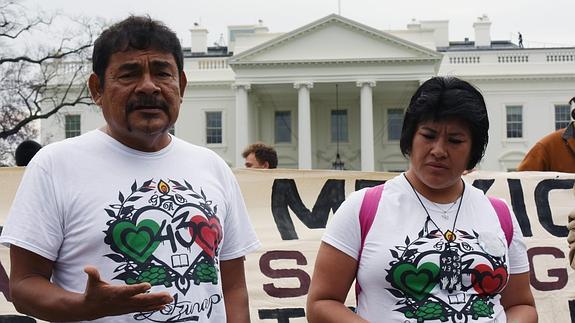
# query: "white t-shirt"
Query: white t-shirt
{"points": [[167, 217], [408, 270]]}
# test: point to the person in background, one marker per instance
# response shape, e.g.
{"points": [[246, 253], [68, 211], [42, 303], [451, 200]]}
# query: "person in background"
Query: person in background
{"points": [[571, 235], [554, 152], [128, 223], [435, 244], [260, 155], [25, 151]]}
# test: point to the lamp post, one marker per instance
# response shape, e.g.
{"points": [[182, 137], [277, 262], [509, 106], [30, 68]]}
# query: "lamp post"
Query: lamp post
{"points": [[338, 164]]}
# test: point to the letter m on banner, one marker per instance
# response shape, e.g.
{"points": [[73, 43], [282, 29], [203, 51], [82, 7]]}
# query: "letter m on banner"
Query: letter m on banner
{"points": [[285, 195]]}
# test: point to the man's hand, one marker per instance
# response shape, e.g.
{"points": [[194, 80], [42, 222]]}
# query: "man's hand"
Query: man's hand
{"points": [[571, 238], [103, 299], [34, 294]]}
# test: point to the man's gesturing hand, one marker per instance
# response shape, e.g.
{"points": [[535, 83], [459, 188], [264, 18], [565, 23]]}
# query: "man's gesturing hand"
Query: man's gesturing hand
{"points": [[103, 299]]}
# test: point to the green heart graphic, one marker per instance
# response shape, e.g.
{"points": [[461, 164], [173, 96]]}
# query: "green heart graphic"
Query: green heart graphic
{"points": [[136, 241], [416, 281]]}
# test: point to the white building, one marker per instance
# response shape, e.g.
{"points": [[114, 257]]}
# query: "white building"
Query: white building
{"points": [[338, 85]]}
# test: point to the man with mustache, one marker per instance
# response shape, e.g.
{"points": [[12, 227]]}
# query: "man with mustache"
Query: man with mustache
{"points": [[128, 223]]}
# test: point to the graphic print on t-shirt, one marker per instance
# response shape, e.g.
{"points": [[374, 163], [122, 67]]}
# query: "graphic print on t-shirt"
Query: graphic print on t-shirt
{"points": [[445, 277], [167, 234]]}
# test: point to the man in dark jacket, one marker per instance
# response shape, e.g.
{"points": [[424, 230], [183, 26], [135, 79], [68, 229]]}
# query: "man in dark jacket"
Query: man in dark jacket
{"points": [[554, 152]]}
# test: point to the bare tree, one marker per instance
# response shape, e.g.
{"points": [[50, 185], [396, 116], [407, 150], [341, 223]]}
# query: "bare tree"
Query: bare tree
{"points": [[43, 68]]}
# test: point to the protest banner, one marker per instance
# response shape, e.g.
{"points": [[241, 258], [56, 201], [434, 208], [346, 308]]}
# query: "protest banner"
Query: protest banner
{"points": [[290, 209]]}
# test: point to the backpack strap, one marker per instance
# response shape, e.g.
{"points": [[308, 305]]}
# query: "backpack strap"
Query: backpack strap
{"points": [[366, 216], [504, 218]]}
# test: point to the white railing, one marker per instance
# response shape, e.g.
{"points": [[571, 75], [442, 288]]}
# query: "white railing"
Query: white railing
{"points": [[213, 64], [508, 57], [464, 59], [513, 58], [561, 57]]}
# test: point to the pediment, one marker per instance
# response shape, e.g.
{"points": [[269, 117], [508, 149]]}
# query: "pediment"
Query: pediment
{"points": [[334, 39]]}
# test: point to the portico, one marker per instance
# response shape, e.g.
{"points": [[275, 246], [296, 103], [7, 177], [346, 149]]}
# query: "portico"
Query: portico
{"points": [[293, 78]]}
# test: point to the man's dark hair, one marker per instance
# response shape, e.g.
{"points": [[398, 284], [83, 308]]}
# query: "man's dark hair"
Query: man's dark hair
{"points": [[25, 151], [263, 153], [440, 98], [135, 33], [572, 110]]}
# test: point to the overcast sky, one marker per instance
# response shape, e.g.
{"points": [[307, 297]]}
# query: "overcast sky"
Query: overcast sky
{"points": [[548, 23]]}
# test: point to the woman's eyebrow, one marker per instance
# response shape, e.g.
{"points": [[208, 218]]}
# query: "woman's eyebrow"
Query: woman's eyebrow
{"points": [[427, 128]]}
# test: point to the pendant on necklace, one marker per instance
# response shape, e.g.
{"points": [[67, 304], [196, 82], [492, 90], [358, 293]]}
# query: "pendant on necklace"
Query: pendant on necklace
{"points": [[444, 215], [449, 236], [449, 269]]}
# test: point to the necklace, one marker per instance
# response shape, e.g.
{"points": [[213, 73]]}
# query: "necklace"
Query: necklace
{"points": [[444, 212], [448, 235], [450, 276]]}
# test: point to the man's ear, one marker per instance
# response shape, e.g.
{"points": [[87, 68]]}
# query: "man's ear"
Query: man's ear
{"points": [[183, 83], [95, 89]]}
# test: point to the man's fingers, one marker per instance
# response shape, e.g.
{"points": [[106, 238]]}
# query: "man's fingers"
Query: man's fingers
{"points": [[571, 238], [571, 224], [154, 299], [132, 290], [93, 273]]}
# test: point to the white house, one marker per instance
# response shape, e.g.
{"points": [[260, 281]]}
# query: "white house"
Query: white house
{"points": [[336, 86]]}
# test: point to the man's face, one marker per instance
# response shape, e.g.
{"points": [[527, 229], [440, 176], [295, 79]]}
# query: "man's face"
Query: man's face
{"points": [[140, 98], [252, 162]]}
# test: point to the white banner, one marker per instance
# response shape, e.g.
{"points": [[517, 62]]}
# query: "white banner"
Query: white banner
{"points": [[290, 208]]}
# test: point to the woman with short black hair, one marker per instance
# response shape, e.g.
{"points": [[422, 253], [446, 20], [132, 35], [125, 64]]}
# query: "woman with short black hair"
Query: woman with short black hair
{"points": [[437, 248]]}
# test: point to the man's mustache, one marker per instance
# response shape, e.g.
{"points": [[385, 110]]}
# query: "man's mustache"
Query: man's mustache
{"points": [[147, 101]]}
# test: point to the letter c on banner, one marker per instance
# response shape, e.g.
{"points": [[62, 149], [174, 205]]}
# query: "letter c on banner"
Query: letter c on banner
{"points": [[544, 209]]}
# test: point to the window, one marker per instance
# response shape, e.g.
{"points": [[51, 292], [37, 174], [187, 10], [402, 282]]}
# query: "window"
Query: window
{"points": [[562, 117], [339, 126], [394, 124], [214, 127], [283, 127], [72, 125], [514, 121]]}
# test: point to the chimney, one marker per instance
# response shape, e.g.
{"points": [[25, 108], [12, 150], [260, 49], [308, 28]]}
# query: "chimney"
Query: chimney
{"points": [[440, 31], [199, 39], [260, 28], [414, 25], [482, 31]]}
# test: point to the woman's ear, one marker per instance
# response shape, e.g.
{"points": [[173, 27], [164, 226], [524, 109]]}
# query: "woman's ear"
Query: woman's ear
{"points": [[95, 88]]}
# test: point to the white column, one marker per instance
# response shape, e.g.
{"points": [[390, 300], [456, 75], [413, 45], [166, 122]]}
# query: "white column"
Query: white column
{"points": [[241, 121], [304, 124], [366, 125]]}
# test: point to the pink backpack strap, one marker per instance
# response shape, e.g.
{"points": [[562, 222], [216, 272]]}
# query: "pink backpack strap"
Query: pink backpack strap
{"points": [[504, 218], [366, 216]]}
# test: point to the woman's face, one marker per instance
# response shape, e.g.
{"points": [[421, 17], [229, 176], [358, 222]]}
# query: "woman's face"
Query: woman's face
{"points": [[440, 153]]}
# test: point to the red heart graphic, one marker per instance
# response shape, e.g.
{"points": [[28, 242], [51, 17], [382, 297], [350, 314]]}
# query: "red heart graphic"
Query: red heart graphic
{"points": [[487, 281], [208, 233]]}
